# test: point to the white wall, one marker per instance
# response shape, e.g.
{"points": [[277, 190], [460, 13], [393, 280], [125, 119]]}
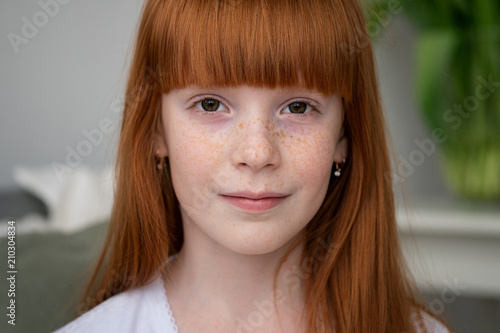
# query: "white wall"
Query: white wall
{"points": [[63, 81]]}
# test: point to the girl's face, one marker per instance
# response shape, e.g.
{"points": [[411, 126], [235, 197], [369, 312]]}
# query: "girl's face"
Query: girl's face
{"points": [[243, 141]]}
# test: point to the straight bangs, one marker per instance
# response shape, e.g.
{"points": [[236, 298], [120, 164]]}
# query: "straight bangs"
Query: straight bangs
{"points": [[257, 43]]}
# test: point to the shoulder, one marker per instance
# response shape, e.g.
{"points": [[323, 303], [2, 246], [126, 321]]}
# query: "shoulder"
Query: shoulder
{"points": [[427, 323], [137, 310]]}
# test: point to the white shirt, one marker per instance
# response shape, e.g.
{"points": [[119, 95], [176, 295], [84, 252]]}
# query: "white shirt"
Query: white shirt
{"points": [[146, 310]]}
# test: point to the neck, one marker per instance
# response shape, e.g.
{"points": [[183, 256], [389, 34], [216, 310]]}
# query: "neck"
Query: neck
{"points": [[211, 279]]}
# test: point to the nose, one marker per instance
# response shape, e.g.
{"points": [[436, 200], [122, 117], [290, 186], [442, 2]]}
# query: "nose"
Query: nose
{"points": [[256, 146]]}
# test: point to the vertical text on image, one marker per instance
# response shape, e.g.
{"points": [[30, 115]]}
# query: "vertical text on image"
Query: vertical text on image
{"points": [[11, 271]]}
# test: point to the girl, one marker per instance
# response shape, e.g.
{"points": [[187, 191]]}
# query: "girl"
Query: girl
{"points": [[251, 193]]}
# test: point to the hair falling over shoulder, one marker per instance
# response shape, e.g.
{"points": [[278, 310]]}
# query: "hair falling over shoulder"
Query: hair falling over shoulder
{"points": [[357, 280]]}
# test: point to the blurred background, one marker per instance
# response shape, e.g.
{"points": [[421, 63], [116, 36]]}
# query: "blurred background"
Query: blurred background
{"points": [[62, 72]]}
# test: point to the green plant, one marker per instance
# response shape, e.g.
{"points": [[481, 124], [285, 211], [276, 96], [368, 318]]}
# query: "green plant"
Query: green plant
{"points": [[458, 49]]}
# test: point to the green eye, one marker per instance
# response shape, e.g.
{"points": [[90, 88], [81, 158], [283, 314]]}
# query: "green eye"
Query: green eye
{"points": [[210, 104], [298, 107]]}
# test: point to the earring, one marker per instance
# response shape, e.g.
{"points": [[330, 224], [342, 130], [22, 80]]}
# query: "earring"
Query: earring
{"points": [[162, 163], [337, 171]]}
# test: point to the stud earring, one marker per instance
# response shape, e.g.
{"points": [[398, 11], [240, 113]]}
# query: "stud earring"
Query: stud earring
{"points": [[337, 171], [162, 163]]}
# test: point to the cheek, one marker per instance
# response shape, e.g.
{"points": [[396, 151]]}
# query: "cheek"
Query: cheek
{"points": [[312, 155], [189, 145], [194, 155]]}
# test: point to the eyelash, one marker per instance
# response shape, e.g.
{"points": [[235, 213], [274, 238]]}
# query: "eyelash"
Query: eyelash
{"points": [[204, 113]]}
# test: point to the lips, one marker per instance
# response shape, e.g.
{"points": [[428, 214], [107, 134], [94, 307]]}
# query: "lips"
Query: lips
{"points": [[253, 202], [252, 195]]}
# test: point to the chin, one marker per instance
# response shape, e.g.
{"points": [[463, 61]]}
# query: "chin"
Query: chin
{"points": [[255, 244]]}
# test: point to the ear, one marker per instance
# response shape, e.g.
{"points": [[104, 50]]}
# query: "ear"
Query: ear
{"points": [[160, 141], [341, 148]]}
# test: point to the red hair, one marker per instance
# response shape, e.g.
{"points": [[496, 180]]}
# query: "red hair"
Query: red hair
{"points": [[356, 278]]}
